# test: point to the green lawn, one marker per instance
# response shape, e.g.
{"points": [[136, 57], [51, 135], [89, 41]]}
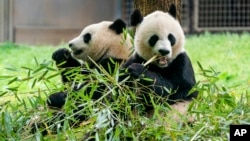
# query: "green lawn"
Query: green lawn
{"points": [[226, 53], [27, 76], [15, 59]]}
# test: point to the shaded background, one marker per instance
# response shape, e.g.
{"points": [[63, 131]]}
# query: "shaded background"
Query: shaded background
{"points": [[57, 21]]}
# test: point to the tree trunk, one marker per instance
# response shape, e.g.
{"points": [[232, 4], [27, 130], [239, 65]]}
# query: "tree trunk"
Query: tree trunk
{"points": [[148, 6]]}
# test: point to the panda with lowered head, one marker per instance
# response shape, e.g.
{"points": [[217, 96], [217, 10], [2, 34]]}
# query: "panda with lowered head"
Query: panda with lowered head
{"points": [[101, 43], [159, 37]]}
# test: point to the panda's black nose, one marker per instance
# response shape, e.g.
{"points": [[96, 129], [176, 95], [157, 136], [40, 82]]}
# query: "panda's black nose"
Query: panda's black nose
{"points": [[163, 52], [70, 45]]}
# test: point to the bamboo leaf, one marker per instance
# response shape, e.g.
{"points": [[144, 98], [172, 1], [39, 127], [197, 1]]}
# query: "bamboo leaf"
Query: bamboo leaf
{"points": [[3, 93], [52, 76], [38, 69], [26, 68], [11, 69], [34, 83], [25, 79], [15, 89], [51, 68], [36, 61], [43, 75], [5, 76], [13, 80]]}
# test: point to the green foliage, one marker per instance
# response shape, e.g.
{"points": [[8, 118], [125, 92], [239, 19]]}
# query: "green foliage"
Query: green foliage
{"points": [[223, 86]]}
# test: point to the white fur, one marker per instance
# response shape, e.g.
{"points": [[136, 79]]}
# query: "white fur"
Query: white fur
{"points": [[104, 41], [161, 24]]}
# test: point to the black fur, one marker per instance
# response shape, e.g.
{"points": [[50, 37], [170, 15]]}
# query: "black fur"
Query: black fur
{"points": [[172, 10], [172, 39], [64, 60], [67, 64], [57, 100], [153, 39], [61, 55], [86, 38], [136, 18], [118, 26], [178, 77]]}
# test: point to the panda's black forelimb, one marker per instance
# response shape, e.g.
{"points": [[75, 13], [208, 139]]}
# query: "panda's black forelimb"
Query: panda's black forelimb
{"points": [[177, 76], [64, 60], [57, 100]]}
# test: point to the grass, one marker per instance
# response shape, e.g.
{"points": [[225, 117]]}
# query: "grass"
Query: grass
{"points": [[227, 53], [16, 60], [223, 73]]}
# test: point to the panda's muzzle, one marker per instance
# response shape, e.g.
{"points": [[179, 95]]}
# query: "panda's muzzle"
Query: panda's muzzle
{"points": [[162, 59], [75, 51], [164, 52]]}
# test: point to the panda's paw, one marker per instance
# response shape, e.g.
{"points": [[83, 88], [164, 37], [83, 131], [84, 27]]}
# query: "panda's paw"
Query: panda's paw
{"points": [[61, 55], [136, 69], [57, 100]]}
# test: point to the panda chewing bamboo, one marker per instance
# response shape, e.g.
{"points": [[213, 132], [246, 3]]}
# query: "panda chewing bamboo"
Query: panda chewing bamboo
{"points": [[160, 55], [101, 43]]}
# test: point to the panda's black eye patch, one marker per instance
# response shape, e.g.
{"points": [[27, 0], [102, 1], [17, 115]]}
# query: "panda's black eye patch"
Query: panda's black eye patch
{"points": [[87, 38], [153, 39], [171, 39]]}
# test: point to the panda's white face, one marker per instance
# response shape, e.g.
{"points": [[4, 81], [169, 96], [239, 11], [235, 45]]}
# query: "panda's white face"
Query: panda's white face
{"points": [[98, 41], [81, 44], [159, 34]]}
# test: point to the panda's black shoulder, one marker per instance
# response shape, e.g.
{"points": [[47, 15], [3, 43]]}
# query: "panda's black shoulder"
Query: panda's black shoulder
{"points": [[181, 70], [182, 61]]}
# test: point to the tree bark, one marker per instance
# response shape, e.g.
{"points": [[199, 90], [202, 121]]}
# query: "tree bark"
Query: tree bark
{"points": [[148, 6]]}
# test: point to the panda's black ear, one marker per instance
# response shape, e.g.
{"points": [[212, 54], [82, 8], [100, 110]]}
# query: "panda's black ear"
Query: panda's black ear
{"points": [[172, 10], [136, 17], [118, 25]]}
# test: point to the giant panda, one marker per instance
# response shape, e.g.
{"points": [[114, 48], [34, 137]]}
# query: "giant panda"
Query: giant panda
{"points": [[159, 37], [102, 44]]}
